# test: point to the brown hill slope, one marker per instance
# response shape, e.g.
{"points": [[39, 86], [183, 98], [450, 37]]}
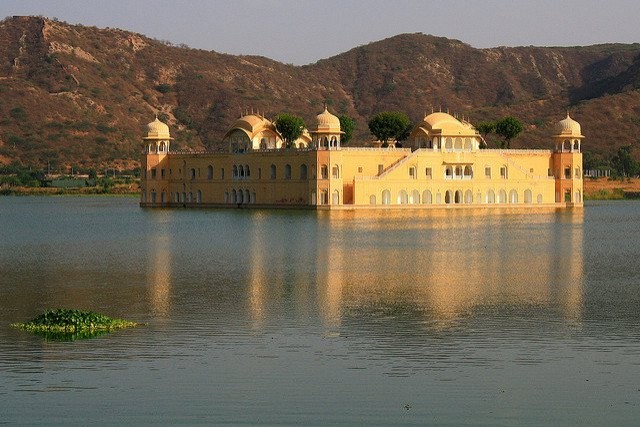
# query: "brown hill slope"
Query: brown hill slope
{"points": [[71, 94]]}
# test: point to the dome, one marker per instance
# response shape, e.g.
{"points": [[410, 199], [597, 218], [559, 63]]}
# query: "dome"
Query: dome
{"points": [[251, 124], [157, 130], [568, 127], [327, 122], [441, 120]]}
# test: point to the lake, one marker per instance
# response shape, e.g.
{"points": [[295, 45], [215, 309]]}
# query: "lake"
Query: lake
{"points": [[447, 317]]}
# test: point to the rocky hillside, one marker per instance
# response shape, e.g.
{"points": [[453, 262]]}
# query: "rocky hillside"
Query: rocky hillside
{"points": [[77, 95]]}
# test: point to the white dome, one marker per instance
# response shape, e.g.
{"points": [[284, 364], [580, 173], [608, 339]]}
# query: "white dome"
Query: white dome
{"points": [[327, 122], [568, 127], [157, 130]]}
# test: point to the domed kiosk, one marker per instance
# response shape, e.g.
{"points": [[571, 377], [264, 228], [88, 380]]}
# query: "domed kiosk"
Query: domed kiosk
{"points": [[441, 131], [568, 135], [158, 137], [327, 132]]}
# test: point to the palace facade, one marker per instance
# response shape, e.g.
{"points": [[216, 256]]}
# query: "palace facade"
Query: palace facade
{"points": [[444, 167]]}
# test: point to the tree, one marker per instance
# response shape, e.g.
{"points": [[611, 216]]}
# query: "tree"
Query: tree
{"points": [[389, 125], [508, 128], [485, 128], [347, 125], [290, 128], [623, 162]]}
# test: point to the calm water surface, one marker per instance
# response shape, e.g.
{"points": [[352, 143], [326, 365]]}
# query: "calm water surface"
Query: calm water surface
{"points": [[315, 318]]}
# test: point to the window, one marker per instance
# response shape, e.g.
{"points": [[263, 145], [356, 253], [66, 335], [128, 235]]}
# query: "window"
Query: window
{"points": [[335, 172], [412, 172], [360, 171], [153, 174], [567, 173], [324, 172], [222, 173], [209, 172], [193, 173], [303, 171], [549, 172], [259, 173], [429, 173], [273, 172], [530, 170], [287, 172], [380, 169], [503, 172], [162, 174], [487, 172]]}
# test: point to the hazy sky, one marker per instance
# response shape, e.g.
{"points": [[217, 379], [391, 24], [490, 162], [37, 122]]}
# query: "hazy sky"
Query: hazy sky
{"points": [[303, 31]]}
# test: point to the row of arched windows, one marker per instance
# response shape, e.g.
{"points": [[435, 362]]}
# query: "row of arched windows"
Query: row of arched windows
{"points": [[453, 197], [445, 143], [240, 197]]}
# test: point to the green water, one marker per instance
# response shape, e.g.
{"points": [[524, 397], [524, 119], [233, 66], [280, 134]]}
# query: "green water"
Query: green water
{"points": [[315, 318]]}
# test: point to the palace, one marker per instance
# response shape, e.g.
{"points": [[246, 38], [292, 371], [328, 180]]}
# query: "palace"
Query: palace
{"points": [[444, 167]]}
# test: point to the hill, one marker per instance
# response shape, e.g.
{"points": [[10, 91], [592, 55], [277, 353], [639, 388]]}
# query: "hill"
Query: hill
{"points": [[78, 95]]}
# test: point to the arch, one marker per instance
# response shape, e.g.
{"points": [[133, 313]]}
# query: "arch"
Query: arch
{"points": [[209, 172], [467, 144], [491, 197], [162, 146], [427, 198], [247, 173], [324, 197], [448, 197], [386, 197], [199, 197], [193, 173], [448, 172], [502, 196], [287, 171], [247, 196], [335, 198], [403, 198], [372, 199], [273, 172], [513, 196], [241, 171], [468, 172], [458, 143], [415, 197], [448, 143], [335, 172], [324, 172], [458, 197], [240, 197], [528, 197], [458, 171], [435, 142], [234, 197], [468, 196], [539, 198], [303, 171]]}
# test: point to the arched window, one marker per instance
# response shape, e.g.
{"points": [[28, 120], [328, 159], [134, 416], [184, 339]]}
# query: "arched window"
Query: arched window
{"points": [[528, 197], [458, 197], [386, 197], [287, 171], [468, 172], [448, 172], [336, 198], [199, 197], [372, 199], [448, 197], [458, 143], [448, 143], [241, 171], [193, 173], [240, 197], [162, 147], [247, 196], [209, 172], [403, 199], [467, 144], [415, 197], [273, 172], [324, 172], [335, 172], [153, 196], [491, 197], [412, 172], [324, 197], [468, 196], [303, 171], [426, 197], [234, 197], [234, 172], [502, 196], [513, 196], [459, 171], [253, 197], [247, 173]]}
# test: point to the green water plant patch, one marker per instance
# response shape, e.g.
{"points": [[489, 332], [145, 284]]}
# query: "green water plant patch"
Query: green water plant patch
{"points": [[70, 321]]}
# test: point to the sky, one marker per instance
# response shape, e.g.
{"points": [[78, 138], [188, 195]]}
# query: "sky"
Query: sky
{"points": [[304, 31]]}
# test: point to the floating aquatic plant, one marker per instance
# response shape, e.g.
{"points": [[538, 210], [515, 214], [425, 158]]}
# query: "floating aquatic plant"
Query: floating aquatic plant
{"points": [[68, 323]]}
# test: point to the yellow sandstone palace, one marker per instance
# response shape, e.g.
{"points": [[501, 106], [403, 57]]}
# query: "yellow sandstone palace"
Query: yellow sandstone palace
{"points": [[445, 167]]}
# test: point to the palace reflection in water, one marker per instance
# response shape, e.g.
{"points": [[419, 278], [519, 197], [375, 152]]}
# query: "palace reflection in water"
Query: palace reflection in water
{"points": [[439, 265]]}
